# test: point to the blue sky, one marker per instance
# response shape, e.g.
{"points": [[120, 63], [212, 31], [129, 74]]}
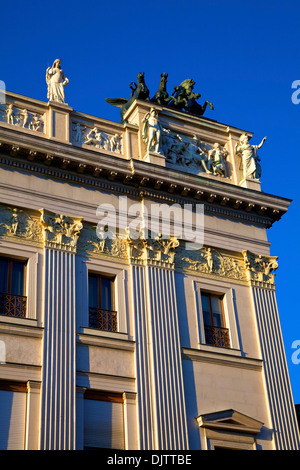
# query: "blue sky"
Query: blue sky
{"points": [[243, 55]]}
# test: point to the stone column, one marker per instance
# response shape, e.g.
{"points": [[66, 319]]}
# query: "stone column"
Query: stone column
{"points": [[160, 394], [58, 424], [260, 273]]}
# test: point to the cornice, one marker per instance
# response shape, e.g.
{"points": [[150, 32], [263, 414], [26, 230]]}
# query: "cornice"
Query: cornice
{"points": [[30, 329], [21, 371]]}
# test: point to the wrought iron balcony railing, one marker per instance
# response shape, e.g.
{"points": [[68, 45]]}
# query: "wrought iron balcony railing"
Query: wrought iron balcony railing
{"points": [[217, 336], [103, 319], [13, 305]]}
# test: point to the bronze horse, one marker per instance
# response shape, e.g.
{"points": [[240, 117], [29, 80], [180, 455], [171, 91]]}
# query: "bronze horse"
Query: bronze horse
{"points": [[139, 91], [185, 99], [161, 96]]}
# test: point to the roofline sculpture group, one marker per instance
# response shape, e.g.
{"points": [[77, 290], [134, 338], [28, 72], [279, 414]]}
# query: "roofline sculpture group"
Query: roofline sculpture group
{"points": [[183, 97]]}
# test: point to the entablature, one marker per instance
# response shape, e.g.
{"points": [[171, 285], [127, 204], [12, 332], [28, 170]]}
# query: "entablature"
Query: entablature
{"points": [[119, 159], [220, 199]]}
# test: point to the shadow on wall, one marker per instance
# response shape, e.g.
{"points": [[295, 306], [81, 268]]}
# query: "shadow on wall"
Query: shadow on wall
{"points": [[187, 364], [185, 340], [191, 404]]}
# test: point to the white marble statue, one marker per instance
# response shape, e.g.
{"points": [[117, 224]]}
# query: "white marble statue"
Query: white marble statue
{"points": [[152, 131], [56, 81], [250, 159]]}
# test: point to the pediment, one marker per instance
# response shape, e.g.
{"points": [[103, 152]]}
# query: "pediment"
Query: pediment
{"points": [[231, 421]]}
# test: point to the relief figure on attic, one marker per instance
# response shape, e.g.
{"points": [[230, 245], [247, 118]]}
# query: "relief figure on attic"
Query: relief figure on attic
{"points": [[217, 156], [24, 117], [77, 132], [21, 117], [115, 143], [36, 123], [56, 81], [250, 159], [94, 137], [191, 154], [10, 114]]}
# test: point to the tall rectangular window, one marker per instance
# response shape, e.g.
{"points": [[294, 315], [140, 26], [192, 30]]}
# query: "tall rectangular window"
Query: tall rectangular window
{"points": [[13, 398], [214, 322], [102, 314], [103, 421], [12, 287]]}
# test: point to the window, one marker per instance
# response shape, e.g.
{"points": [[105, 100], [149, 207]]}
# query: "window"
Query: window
{"points": [[103, 420], [214, 324], [102, 314], [13, 398], [12, 287]]}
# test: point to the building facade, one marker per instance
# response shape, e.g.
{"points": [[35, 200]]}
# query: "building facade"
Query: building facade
{"points": [[137, 302]]}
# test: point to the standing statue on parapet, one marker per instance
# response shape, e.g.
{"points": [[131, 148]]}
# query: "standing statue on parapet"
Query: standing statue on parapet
{"points": [[152, 131], [56, 81], [250, 159]]}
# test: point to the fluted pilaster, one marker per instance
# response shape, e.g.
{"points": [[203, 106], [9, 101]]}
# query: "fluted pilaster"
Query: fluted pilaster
{"points": [[261, 276], [59, 360], [161, 404]]}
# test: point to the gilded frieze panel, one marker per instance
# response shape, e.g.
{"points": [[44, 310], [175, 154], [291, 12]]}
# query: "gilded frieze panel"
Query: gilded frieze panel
{"points": [[20, 223], [98, 241], [211, 262]]}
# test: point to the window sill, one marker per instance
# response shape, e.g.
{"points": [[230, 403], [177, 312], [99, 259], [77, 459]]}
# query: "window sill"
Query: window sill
{"points": [[221, 356], [106, 339], [20, 326], [104, 333], [219, 349]]}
